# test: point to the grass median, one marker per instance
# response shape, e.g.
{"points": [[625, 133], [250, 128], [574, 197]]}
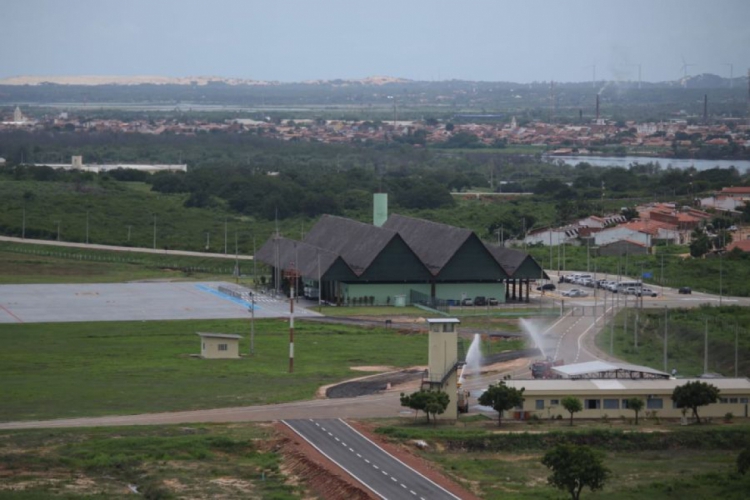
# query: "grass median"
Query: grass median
{"points": [[92, 369]]}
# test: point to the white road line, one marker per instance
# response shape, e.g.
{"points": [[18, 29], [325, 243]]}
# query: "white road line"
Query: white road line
{"points": [[399, 461], [394, 479], [343, 443], [337, 439], [403, 485], [385, 473], [413, 492], [324, 429], [350, 449], [359, 456], [330, 434], [366, 461], [376, 466]]}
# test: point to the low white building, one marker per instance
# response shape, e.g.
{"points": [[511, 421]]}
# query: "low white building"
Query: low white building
{"points": [[220, 345]]}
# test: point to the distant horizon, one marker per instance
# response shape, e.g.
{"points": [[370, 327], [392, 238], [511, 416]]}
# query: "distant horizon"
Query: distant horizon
{"points": [[421, 40], [164, 79]]}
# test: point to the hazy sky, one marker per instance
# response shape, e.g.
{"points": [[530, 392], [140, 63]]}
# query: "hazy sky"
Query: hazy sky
{"points": [[288, 40]]}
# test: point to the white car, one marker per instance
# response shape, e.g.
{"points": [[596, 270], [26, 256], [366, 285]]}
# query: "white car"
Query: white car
{"points": [[575, 293], [647, 292]]}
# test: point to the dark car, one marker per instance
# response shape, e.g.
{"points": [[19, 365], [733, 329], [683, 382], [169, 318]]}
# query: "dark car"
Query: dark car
{"points": [[480, 301], [685, 290], [547, 287]]}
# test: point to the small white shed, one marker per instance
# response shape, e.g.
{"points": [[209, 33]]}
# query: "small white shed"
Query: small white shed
{"points": [[220, 345]]}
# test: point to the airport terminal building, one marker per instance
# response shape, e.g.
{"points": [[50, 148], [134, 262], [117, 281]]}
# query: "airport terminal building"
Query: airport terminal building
{"points": [[397, 260]]}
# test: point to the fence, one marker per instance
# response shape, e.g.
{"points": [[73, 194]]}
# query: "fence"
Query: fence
{"points": [[419, 298]]}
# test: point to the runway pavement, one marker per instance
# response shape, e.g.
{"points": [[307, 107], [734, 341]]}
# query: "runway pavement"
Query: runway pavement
{"points": [[133, 302]]}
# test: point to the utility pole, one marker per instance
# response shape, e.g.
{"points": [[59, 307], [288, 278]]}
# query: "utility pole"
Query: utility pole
{"points": [[154, 231], [705, 348], [225, 235], [252, 323], [292, 275], [666, 330], [612, 333], [255, 276], [736, 350], [87, 227], [58, 230], [129, 226], [23, 222], [236, 260]]}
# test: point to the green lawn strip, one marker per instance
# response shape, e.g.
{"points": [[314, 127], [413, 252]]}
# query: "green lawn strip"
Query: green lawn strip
{"points": [[685, 339], [89, 369], [661, 462], [161, 461], [374, 311]]}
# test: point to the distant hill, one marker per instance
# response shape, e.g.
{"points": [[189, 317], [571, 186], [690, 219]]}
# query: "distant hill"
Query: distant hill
{"points": [[94, 80]]}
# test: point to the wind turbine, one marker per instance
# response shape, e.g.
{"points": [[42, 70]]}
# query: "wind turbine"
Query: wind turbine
{"points": [[639, 73], [685, 66], [731, 74]]}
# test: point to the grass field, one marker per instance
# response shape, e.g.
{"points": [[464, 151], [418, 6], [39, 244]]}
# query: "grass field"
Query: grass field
{"points": [[161, 462], [89, 369], [650, 461], [28, 263], [686, 337]]}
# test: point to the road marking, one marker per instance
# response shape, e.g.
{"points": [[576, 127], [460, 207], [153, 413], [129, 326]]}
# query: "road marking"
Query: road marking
{"points": [[376, 466], [337, 439], [367, 461], [394, 479], [343, 443], [350, 449], [359, 456], [330, 434], [14, 316], [403, 485], [385, 473], [413, 492]]}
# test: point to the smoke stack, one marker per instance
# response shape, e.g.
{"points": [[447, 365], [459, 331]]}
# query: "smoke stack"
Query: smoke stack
{"points": [[379, 209], [597, 107], [705, 108]]}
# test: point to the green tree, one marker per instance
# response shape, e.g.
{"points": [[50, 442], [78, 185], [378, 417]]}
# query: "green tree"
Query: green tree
{"points": [[743, 461], [430, 402], [501, 398], [700, 245], [574, 468], [635, 404], [573, 405], [695, 394]]}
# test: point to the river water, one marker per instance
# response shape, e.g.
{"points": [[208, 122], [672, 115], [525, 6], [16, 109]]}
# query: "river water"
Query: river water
{"points": [[625, 161]]}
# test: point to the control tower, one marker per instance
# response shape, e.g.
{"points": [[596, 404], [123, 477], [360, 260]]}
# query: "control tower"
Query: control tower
{"points": [[444, 362]]}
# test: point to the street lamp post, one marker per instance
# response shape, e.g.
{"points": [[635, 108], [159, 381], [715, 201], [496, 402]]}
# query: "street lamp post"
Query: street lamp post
{"points": [[154, 231], [87, 227], [58, 230]]}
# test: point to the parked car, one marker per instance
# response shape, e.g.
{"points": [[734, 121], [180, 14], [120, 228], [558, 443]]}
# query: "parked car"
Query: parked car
{"points": [[492, 301], [547, 287], [601, 283], [631, 290], [480, 301], [467, 302], [685, 290], [589, 282], [575, 293], [647, 292]]}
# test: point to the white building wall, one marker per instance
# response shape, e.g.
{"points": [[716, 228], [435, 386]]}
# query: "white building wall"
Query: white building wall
{"points": [[621, 233]]}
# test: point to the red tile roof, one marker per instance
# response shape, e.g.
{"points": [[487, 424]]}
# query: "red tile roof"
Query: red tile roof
{"points": [[743, 245]]}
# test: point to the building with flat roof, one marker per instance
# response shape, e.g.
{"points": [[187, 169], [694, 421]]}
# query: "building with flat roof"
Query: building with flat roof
{"points": [[600, 397], [220, 345]]}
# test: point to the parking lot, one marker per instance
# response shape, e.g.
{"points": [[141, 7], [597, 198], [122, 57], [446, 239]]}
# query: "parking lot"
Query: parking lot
{"points": [[132, 301]]}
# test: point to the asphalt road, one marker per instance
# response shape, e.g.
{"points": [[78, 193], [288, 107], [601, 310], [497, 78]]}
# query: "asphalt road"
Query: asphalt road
{"points": [[93, 246], [379, 471]]}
